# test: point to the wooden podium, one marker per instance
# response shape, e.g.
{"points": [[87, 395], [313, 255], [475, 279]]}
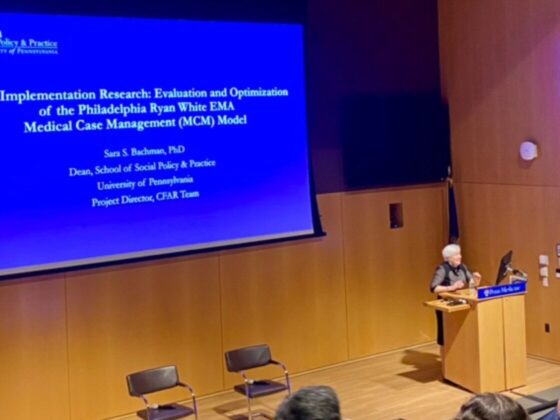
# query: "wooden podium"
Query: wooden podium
{"points": [[484, 339]]}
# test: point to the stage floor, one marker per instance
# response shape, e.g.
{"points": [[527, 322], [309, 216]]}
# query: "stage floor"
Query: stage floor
{"points": [[405, 384]]}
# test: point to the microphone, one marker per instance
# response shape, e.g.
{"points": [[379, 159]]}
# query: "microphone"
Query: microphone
{"points": [[517, 272]]}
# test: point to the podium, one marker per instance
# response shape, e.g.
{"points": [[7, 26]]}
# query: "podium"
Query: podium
{"points": [[484, 339]]}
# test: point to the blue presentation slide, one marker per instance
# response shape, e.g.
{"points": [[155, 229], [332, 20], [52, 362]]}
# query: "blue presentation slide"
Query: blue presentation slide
{"points": [[127, 137]]}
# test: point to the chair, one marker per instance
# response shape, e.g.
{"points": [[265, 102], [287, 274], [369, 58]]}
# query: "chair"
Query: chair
{"points": [[252, 357], [159, 379]]}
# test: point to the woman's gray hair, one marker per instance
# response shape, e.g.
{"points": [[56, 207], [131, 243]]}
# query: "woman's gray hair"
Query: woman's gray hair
{"points": [[450, 251]]}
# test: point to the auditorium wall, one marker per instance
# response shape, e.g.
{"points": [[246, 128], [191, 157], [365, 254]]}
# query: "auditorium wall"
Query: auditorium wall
{"points": [[500, 67]]}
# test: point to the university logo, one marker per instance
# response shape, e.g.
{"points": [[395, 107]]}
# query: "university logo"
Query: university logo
{"points": [[27, 46]]}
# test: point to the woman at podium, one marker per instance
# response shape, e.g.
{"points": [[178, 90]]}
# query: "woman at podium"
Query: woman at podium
{"points": [[449, 276]]}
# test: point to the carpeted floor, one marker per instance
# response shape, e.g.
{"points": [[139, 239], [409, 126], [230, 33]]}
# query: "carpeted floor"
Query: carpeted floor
{"points": [[547, 395]]}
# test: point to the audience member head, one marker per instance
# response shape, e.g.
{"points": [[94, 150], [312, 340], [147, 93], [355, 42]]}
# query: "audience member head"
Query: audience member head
{"points": [[310, 403], [489, 406]]}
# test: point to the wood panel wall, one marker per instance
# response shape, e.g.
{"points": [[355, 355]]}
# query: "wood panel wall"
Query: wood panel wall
{"points": [[131, 318], [69, 341], [34, 349], [388, 270], [500, 64]]}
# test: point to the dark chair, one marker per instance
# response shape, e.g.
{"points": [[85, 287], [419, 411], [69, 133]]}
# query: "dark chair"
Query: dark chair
{"points": [[252, 357], [159, 379]]}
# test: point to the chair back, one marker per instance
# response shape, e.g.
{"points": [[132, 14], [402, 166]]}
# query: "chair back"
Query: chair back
{"points": [[152, 380], [248, 358]]}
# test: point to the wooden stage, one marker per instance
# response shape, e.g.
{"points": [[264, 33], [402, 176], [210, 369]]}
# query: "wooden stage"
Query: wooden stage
{"points": [[405, 384]]}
